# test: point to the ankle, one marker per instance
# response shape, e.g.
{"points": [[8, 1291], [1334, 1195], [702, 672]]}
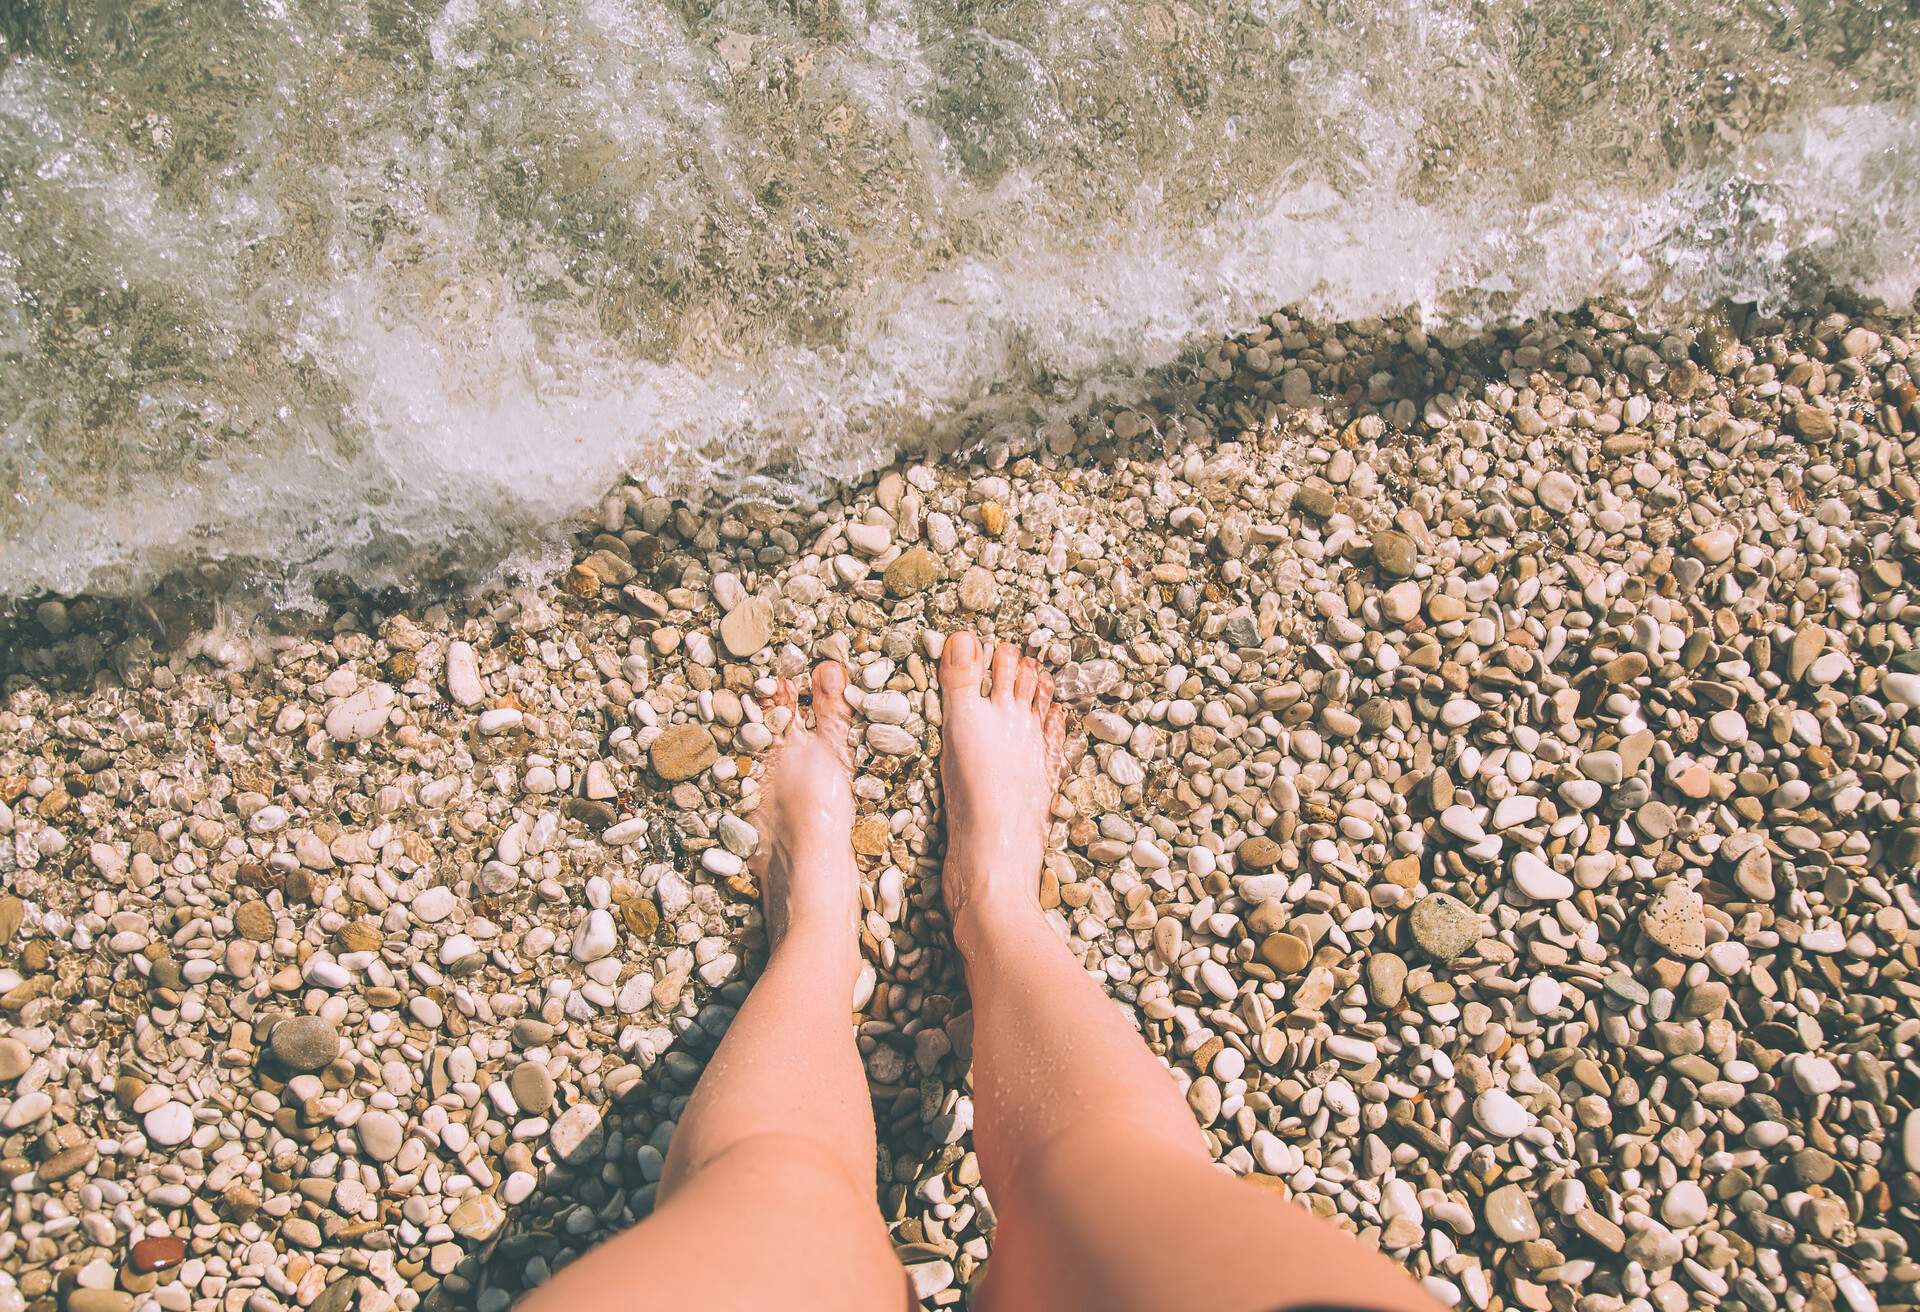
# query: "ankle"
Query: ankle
{"points": [[989, 916], [816, 943]]}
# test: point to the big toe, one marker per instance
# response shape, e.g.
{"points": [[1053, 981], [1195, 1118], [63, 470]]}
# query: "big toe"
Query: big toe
{"points": [[960, 667], [831, 717]]}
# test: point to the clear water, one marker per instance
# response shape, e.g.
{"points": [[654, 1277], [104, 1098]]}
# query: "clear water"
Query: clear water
{"points": [[384, 288]]}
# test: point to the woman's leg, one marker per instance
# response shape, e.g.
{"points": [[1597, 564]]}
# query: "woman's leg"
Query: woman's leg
{"points": [[767, 1199], [1105, 1194]]}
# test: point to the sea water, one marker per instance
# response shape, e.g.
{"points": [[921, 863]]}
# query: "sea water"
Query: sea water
{"points": [[388, 290]]}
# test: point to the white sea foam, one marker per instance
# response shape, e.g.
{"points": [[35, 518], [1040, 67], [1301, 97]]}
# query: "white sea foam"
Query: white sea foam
{"points": [[390, 295]]}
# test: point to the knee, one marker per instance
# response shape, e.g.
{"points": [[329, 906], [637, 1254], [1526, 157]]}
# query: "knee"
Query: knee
{"points": [[780, 1164], [1102, 1146]]}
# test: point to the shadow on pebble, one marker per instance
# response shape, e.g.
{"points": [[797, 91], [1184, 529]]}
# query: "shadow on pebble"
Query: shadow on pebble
{"points": [[601, 1163], [598, 1168]]}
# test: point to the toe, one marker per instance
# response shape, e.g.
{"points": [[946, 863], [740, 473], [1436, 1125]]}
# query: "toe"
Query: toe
{"points": [[1025, 679], [1054, 740], [1006, 659], [1042, 693], [785, 698], [960, 666], [831, 717]]}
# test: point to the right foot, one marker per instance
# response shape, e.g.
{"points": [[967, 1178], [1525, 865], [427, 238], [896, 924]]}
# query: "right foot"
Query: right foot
{"points": [[1000, 763], [804, 862]]}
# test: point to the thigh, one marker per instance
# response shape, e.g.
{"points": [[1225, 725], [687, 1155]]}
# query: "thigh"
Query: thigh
{"points": [[770, 1223], [1101, 1222]]}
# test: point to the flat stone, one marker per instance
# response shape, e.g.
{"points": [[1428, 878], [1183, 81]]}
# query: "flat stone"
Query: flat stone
{"points": [[304, 1043], [168, 1124], [1624, 668], [597, 937], [1684, 1205], [97, 1300], [254, 920], [463, 675], [683, 751], [1812, 423], [1509, 1214], [1315, 500], [433, 905], [479, 1216], [1603, 767], [577, 1133], [1814, 1074], [1286, 953], [914, 570], [1538, 880], [361, 716], [1729, 727], [1444, 927], [1715, 545], [1676, 921], [1501, 1115], [1753, 873], [1809, 640], [891, 740], [978, 591], [746, 628], [533, 1088], [1462, 823], [1557, 491], [1256, 853]]}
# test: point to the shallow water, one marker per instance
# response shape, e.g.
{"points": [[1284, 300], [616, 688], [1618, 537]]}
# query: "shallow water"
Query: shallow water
{"points": [[385, 289]]}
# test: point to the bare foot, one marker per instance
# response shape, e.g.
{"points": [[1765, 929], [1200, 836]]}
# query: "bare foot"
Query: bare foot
{"points": [[805, 816], [1000, 764]]}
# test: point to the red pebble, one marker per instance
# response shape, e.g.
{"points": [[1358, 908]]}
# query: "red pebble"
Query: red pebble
{"points": [[158, 1254]]}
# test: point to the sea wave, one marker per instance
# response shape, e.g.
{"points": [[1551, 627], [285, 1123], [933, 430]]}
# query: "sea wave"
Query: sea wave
{"points": [[389, 290]]}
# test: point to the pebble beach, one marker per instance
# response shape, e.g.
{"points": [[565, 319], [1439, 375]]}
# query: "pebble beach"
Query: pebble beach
{"points": [[1495, 793]]}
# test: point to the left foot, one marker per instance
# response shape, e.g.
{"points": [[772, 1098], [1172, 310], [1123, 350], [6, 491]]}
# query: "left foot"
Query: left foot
{"points": [[805, 815]]}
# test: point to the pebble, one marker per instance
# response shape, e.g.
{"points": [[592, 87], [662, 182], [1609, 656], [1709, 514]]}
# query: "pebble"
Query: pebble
{"points": [[168, 1124], [361, 716], [745, 630], [1444, 927], [533, 1088], [379, 1136], [433, 905], [597, 938], [1538, 880], [1386, 979], [1429, 727], [1676, 921], [1814, 1074], [1500, 1115], [1557, 491], [463, 675], [1510, 1216], [157, 1253], [683, 751], [305, 1043], [1685, 1205], [478, 1217]]}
